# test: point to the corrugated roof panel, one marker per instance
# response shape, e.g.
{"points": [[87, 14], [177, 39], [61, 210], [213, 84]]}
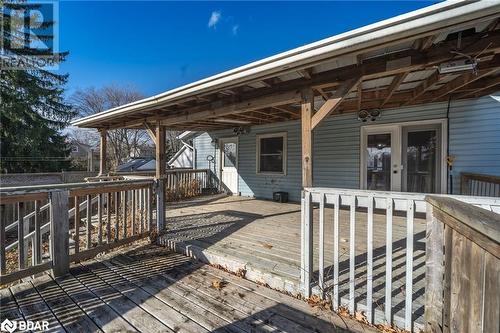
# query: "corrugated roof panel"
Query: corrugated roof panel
{"points": [[410, 85], [339, 62], [387, 50], [382, 82], [418, 75]]}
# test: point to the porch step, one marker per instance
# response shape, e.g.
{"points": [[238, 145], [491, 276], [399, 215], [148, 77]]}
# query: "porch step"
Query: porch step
{"points": [[259, 271]]}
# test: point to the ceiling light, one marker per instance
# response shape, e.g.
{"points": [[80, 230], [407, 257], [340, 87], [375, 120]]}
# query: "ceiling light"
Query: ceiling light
{"points": [[457, 66]]}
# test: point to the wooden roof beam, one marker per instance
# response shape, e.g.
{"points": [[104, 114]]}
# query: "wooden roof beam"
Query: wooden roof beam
{"points": [[150, 130], [334, 101], [396, 82], [424, 86], [213, 111], [485, 70], [305, 73], [481, 85]]}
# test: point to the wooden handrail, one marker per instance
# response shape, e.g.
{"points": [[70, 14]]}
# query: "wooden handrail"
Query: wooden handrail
{"points": [[481, 221], [125, 204], [462, 287], [479, 184]]}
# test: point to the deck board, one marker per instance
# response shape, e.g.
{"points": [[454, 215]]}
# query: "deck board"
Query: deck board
{"points": [[263, 237], [148, 288]]}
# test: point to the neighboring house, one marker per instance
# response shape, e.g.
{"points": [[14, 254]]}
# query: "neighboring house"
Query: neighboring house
{"points": [[183, 158], [137, 164], [84, 156]]}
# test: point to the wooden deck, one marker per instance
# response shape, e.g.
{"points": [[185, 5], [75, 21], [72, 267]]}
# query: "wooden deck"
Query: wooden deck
{"points": [[262, 239], [150, 289]]}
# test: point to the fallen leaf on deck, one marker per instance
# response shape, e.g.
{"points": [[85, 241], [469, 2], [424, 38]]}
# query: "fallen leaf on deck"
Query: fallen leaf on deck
{"points": [[218, 284], [267, 245], [360, 316]]}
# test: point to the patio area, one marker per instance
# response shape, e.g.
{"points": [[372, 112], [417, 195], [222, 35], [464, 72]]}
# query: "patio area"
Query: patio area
{"points": [[261, 240], [147, 288]]}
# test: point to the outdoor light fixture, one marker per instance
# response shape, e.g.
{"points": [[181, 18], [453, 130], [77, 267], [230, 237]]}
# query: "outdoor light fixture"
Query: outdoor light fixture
{"points": [[240, 130], [458, 66], [365, 115]]}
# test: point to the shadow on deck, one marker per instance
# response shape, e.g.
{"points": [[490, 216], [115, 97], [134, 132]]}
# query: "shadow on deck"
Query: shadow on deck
{"points": [[150, 289], [261, 239]]}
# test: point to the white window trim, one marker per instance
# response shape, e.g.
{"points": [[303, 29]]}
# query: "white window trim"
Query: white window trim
{"points": [[285, 155]]}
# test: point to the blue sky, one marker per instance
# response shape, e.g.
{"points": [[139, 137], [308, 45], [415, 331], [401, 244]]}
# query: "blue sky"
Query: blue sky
{"points": [[158, 45]]}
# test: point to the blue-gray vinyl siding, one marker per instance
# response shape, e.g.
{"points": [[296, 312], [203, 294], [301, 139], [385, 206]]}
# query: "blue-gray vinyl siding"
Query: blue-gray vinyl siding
{"points": [[474, 140]]}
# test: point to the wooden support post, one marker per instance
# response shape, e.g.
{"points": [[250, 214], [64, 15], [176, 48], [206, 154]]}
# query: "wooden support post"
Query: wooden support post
{"points": [[434, 272], [306, 116], [160, 204], [160, 150], [160, 171], [102, 147], [59, 239]]}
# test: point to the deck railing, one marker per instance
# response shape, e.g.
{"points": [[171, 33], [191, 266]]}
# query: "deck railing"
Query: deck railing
{"points": [[361, 209], [479, 185], [71, 222], [185, 183], [462, 268]]}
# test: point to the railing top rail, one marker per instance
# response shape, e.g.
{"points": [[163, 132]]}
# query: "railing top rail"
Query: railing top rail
{"points": [[481, 177], [480, 220], [494, 201], [20, 190]]}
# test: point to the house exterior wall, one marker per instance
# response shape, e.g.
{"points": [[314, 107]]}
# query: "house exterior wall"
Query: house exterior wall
{"points": [[474, 140]]}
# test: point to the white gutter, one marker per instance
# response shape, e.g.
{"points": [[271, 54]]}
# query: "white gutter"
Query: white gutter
{"points": [[428, 20]]}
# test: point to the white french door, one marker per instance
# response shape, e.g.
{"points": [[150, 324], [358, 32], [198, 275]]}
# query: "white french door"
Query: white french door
{"points": [[381, 159], [228, 157], [406, 157]]}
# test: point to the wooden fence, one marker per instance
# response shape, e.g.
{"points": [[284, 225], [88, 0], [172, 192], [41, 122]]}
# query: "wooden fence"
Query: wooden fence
{"points": [[462, 268], [359, 207], [70, 223], [479, 185]]}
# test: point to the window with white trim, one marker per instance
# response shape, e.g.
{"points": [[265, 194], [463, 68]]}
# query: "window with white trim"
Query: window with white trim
{"points": [[271, 153]]}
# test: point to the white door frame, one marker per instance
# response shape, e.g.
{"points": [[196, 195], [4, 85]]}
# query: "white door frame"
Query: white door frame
{"points": [[396, 129], [221, 161]]}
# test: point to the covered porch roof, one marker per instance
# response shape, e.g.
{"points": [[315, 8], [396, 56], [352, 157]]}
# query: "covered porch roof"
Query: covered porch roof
{"points": [[391, 63]]}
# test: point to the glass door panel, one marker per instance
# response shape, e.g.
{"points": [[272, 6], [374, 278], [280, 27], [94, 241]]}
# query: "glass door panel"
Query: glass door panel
{"points": [[421, 159], [378, 162]]}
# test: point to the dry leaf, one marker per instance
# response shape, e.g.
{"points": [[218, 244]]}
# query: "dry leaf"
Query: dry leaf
{"points": [[267, 245], [218, 284], [360, 316]]}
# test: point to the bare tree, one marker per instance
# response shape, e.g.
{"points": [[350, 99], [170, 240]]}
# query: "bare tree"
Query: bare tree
{"points": [[122, 143]]}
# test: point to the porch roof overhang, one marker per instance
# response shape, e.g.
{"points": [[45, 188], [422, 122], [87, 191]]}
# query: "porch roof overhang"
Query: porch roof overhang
{"points": [[391, 63]]}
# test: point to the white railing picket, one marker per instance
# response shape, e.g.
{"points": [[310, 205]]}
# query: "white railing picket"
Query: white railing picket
{"points": [[352, 254], [388, 262], [369, 262], [336, 218], [321, 244], [409, 265], [308, 244]]}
